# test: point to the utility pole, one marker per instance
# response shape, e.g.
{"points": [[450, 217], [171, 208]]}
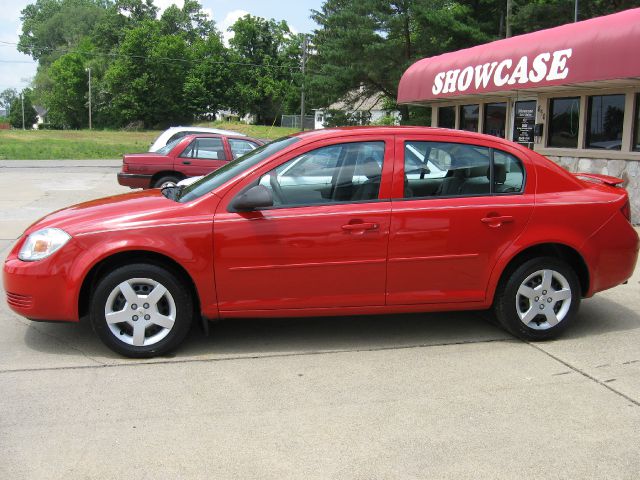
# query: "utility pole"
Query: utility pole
{"points": [[509, 6], [575, 15], [304, 61], [89, 70], [22, 101]]}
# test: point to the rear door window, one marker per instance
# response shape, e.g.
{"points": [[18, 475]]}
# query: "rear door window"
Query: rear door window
{"points": [[241, 147], [445, 169]]}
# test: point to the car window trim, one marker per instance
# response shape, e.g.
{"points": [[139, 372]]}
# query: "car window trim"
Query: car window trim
{"points": [[387, 141], [491, 167]]}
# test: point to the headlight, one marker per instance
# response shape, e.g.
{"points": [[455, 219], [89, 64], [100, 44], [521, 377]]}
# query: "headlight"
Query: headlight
{"points": [[42, 243]]}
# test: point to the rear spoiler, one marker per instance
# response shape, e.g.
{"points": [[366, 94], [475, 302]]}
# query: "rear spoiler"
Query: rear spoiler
{"points": [[596, 177]]}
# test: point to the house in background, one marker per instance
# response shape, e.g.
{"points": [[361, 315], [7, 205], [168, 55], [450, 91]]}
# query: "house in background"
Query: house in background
{"points": [[41, 115], [231, 116], [359, 109]]}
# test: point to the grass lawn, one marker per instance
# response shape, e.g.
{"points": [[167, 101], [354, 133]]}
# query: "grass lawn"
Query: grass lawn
{"points": [[71, 144], [97, 144], [256, 131]]}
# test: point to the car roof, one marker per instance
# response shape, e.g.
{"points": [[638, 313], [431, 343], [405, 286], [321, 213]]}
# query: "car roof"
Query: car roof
{"points": [[397, 130], [234, 135], [204, 130]]}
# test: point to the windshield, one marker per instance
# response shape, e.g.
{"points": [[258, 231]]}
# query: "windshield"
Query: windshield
{"points": [[232, 169], [168, 147]]}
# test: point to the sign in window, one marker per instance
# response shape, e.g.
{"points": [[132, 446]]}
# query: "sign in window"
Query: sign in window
{"points": [[524, 117]]}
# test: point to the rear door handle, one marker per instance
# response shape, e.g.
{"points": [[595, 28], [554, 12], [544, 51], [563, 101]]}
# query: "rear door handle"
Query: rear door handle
{"points": [[497, 221], [351, 227], [186, 162]]}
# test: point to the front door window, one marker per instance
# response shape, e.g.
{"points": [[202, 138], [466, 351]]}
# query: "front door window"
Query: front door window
{"points": [[349, 172]]}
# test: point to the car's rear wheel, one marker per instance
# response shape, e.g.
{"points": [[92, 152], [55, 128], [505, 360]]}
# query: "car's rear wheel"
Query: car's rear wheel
{"points": [[539, 299], [141, 310], [165, 181]]}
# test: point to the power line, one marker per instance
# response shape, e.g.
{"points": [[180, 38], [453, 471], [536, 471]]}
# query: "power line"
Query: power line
{"points": [[292, 69], [143, 57]]}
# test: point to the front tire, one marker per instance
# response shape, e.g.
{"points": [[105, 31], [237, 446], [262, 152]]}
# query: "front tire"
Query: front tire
{"points": [[141, 310], [539, 299]]}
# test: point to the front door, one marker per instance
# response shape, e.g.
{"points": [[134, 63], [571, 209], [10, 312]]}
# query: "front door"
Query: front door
{"points": [[203, 155], [324, 242]]}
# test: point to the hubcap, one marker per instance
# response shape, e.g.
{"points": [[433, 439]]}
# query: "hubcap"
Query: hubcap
{"points": [[140, 312], [543, 299]]}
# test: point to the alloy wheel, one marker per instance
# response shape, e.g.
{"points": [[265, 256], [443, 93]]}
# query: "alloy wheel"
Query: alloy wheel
{"points": [[543, 299]]}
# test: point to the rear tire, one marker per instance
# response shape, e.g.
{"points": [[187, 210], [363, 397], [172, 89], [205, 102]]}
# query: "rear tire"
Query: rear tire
{"points": [[539, 299], [141, 310], [165, 181]]}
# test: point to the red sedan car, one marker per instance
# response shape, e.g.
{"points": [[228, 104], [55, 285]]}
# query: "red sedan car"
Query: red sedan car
{"points": [[333, 222], [188, 156]]}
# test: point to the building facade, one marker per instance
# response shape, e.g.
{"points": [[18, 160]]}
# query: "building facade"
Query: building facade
{"points": [[571, 93]]}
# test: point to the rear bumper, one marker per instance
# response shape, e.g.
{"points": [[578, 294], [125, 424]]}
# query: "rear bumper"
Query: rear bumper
{"points": [[613, 253], [134, 180]]}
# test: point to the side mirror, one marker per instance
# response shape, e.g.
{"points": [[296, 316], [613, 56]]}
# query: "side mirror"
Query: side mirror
{"points": [[256, 197]]}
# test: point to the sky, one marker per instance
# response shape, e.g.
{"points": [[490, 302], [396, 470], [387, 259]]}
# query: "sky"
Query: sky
{"points": [[17, 70]]}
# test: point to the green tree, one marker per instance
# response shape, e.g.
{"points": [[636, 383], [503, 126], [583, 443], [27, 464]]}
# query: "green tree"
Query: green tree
{"points": [[210, 78], [533, 15], [146, 81], [30, 114], [67, 98], [51, 28], [370, 43], [190, 21], [267, 58], [6, 98]]}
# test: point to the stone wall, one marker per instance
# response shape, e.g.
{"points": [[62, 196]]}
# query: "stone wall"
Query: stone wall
{"points": [[628, 170]]}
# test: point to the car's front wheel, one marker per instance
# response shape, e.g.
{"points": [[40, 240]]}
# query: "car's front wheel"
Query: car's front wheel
{"points": [[141, 310], [539, 299]]}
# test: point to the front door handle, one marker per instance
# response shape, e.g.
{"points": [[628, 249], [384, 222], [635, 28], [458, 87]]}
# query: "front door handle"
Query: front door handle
{"points": [[497, 221], [186, 162], [359, 227]]}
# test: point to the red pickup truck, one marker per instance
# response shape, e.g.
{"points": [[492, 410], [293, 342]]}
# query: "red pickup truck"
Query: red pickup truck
{"points": [[189, 156]]}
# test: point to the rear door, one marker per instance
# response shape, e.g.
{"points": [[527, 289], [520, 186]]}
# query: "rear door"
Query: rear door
{"points": [[451, 223]]}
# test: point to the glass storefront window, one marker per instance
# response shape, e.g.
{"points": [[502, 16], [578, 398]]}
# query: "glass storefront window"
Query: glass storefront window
{"points": [[469, 115], [636, 126], [605, 116], [564, 114], [447, 117], [495, 119]]}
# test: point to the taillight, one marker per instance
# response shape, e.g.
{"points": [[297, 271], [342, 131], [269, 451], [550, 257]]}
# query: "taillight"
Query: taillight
{"points": [[626, 210]]}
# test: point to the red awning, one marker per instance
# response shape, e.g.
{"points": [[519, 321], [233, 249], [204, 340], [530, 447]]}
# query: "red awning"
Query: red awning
{"points": [[603, 48]]}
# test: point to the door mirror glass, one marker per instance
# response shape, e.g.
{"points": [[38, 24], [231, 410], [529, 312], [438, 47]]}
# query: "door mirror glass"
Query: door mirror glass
{"points": [[256, 197]]}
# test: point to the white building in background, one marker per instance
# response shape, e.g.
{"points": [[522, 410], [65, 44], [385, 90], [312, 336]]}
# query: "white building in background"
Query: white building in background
{"points": [[363, 109], [41, 116]]}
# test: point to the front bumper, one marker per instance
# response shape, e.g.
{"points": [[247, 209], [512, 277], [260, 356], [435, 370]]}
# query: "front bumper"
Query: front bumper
{"points": [[134, 180], [42, 290]]}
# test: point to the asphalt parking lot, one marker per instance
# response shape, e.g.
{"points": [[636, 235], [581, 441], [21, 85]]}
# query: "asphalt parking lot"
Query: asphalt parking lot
{"points": [[391, 397]]}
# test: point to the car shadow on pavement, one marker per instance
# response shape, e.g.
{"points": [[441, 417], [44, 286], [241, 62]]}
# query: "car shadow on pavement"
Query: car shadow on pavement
{"points": [[273, 336]]}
